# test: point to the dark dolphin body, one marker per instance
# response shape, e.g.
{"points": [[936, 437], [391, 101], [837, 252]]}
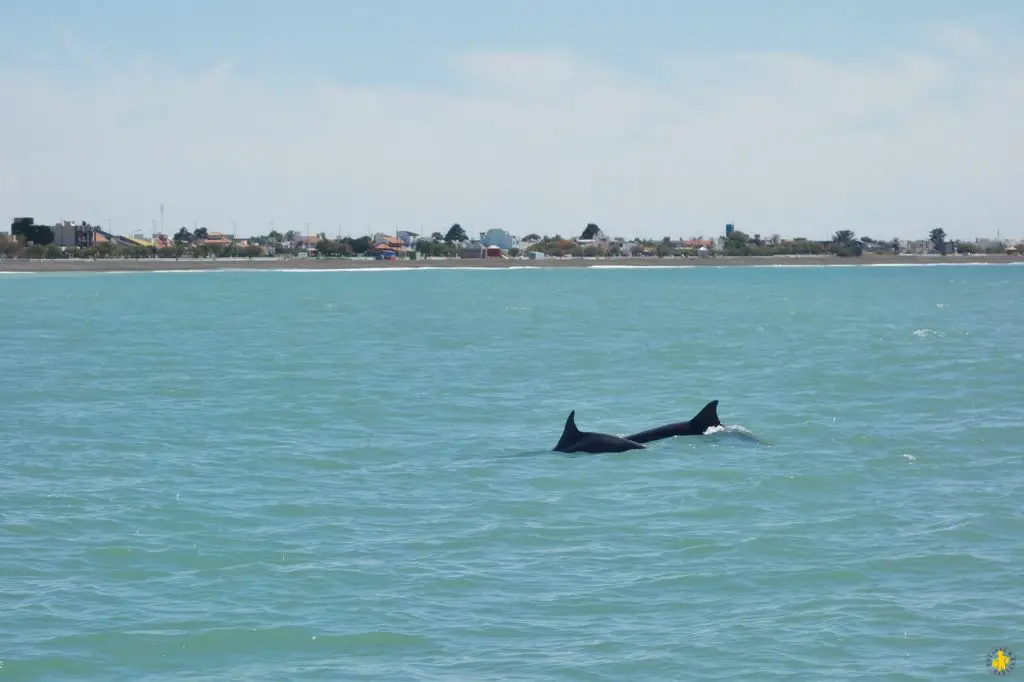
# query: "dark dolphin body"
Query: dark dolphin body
{"points": [[700, 423], [574, 440]]}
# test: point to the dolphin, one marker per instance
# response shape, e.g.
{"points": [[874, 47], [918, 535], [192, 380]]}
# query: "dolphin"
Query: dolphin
{"points": [[574, 440], [706, 418]]}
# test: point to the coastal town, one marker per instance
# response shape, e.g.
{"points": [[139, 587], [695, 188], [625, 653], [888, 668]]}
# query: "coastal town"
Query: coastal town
{"points": [[27, 239]]}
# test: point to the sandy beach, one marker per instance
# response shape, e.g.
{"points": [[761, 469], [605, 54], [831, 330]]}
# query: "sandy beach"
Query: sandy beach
{"points": [[164, 264]]}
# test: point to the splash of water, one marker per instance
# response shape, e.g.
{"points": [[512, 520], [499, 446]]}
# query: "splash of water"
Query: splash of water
{"points": [[734, 431]]}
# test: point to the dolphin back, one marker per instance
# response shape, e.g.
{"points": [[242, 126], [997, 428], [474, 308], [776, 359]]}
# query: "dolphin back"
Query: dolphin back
{"points": [[701, 422]]}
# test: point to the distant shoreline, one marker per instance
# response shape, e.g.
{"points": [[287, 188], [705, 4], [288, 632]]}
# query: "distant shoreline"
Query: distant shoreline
{"points": [[264, 263]]}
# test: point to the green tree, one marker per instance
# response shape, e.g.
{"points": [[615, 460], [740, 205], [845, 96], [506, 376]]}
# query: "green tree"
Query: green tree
{"points": [[437, 237], [359, 245], [456, 234], [107, 250], [853, 250], [532, 237], [201, 233], [333, 247], [430, 248], [843, 237], [26, 228], [738, 244], [11, 247], [590, 231], [204, 250], [183, 236], [938, 238]]}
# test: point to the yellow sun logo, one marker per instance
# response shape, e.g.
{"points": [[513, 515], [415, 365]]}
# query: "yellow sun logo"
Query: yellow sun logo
{"points": [[1002, 661]]}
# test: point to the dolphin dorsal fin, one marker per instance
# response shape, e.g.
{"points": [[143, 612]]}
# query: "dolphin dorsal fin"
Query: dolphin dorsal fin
{"points": [[706, 418], [570, 433], [570, 425]]}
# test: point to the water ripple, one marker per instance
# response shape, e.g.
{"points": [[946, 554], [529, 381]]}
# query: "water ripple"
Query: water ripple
{"points": [[270, 476]]}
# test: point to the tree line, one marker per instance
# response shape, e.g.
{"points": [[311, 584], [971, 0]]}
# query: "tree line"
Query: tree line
{"points": [[31, 240]]}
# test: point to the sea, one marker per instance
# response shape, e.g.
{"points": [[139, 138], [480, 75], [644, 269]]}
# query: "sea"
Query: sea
{"points": [[349, 475]]}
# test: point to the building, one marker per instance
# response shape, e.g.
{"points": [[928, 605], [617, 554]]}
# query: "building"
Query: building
{"points": [[394, 242], [70, 233], [697, 243], [408, 238], [383, 251], [473, 250], [217, 239], [500, 238], [991, 244], [162, 241]]}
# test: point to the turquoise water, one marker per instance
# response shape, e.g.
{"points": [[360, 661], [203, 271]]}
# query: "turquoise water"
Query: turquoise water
{"points": [[348, 475]]}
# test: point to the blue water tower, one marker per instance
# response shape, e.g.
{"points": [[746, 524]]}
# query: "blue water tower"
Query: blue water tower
{"points": [[729, 230]]}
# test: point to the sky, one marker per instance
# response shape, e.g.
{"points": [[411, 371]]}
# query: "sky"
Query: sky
{"points": [[650, 118]]}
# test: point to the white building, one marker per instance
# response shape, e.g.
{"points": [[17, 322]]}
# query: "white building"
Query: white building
{"points": [[408, 238], [64, 233], [500, 238], [70, 233]]}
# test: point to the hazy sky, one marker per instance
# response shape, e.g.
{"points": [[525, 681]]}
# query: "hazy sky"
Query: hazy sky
{"points": [[655, 118]]}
